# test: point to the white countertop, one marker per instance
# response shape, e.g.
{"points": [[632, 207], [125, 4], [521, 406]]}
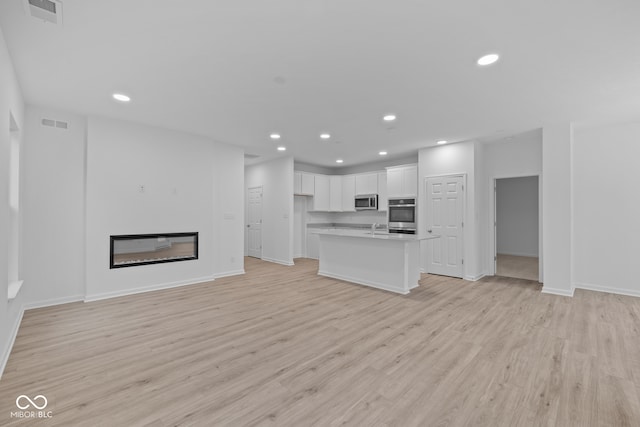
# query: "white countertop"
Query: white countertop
{"points": [[383, 235]]}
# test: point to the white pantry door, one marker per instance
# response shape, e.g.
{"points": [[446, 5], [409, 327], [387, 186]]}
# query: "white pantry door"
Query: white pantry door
{"points": [[444, 217], [255, 222]]}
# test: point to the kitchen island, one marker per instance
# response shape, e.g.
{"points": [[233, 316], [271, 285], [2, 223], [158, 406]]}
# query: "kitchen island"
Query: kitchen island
{"points": [[381, 260]]}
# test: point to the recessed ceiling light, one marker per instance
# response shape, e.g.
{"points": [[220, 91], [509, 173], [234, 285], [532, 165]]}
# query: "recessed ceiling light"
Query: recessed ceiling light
{"points": [[488, 59], [383, 153], [282, 148], [442, 141], [325, 136], [121, 97], [274, 136], [389, 118], [339, 161]]}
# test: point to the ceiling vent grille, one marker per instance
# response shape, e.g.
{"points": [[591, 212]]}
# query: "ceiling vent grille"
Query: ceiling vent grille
{"points": [[251, 156], [55, 124], [45, 10]]}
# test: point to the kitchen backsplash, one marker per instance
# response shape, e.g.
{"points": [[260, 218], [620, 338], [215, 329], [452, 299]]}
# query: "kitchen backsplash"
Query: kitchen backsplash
{"points": [[364, 217]]}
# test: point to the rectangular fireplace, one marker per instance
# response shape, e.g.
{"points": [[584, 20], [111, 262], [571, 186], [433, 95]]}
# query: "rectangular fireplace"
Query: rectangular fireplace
{"points": [[140, 249]]}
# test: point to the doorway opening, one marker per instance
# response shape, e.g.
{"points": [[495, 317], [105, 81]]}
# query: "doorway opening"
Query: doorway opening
{"points": [[254, 225], [517, 227]]}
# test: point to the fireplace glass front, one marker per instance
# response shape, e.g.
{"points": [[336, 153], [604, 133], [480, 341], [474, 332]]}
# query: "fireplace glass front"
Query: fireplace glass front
{"points": [[140, 249]]}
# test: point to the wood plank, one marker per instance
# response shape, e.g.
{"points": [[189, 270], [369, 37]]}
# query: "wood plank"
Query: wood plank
{"points": [[283, 346]]}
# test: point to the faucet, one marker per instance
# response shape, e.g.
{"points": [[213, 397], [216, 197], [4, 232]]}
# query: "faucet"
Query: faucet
{"points": [[373, 228]]}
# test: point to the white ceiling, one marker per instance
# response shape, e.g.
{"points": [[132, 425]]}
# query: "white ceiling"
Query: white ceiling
{"points": [[238, 70]]}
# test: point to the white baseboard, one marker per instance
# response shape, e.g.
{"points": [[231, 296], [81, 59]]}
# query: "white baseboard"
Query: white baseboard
{"points": [[362, 282], [555, 291], [277, 261], [474, 278], [599, 288], [12, 339], [115, 294], [54, 301], [229, 273]]}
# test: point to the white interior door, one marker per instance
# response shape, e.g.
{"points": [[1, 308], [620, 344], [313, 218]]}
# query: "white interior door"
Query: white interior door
{"points": [[255, 222], [444, 217]]}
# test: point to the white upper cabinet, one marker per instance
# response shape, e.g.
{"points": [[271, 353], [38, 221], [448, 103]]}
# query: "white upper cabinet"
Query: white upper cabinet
{"points": [[297, 182], [383, 199], [308, 184], [335, 193], [303, 184], [321, 198], [394, 181], [348, 193], [367, 183], [402, 181]]}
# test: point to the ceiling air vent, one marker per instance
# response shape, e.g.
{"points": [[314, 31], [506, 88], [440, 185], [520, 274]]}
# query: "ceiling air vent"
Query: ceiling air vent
{"points": [[55, 124], [46, 10], [251, 156]]}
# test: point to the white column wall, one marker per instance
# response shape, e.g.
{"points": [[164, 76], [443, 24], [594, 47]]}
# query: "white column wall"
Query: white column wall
{"points": [[606, 237], [557, 140]]}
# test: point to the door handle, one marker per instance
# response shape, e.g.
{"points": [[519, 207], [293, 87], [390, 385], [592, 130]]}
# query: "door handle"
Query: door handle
{"points": [[429, 231]]}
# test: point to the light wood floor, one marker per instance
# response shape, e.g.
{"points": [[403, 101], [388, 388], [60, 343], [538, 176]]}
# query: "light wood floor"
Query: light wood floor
{"points": [[519, 267], [283, 346]]}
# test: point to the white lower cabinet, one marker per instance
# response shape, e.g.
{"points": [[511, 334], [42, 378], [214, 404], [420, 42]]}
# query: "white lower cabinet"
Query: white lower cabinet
{"points": [[313, 243]]}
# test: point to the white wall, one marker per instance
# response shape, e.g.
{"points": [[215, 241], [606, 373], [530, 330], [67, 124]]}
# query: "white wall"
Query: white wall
{"points": [[54, 188], [454, 159], [276, 179], [228, 209], [606, 238], [557, 141], [11, 103], [517, 216], [142, 179]]}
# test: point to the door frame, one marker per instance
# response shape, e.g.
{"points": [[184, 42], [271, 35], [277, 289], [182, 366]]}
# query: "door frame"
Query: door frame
{"points": [[423, 215], [492, 254], [246, 229]]}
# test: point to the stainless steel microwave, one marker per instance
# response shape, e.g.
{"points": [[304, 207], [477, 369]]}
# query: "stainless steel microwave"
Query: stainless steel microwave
{"points": [[367, 202]]}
